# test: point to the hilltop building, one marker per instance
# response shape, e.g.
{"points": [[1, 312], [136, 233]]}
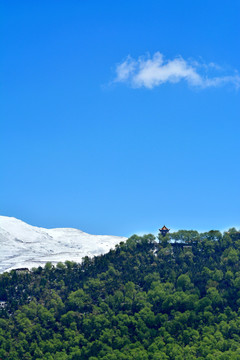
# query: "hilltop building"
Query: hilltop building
{"points": [[164, 230]]}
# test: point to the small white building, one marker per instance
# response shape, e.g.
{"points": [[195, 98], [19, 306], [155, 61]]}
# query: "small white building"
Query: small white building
{"points": [[22, 270], [3, 304]]}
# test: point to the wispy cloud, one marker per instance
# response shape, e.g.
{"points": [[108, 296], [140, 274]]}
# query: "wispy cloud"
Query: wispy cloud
{"points": [[150, 72]]}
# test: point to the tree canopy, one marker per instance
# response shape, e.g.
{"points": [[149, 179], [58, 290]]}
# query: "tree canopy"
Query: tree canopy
{"points": [[175, 298]]}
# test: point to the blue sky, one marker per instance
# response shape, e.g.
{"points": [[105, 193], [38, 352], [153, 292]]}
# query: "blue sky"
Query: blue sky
{"points": [[85, 145]]}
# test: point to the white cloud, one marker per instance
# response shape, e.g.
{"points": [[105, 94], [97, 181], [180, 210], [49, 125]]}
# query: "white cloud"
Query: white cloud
{"points": [[151, 72], [125, 69]]}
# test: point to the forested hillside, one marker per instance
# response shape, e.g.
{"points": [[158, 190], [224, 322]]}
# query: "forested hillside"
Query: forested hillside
{"points": [[176, 299]]}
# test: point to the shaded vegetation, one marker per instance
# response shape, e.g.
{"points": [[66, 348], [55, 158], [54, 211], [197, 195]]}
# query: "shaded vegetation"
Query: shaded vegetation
{"points": [[176, 299]]}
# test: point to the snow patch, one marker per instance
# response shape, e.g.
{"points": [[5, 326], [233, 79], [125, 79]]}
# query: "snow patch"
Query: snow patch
{"points": [[23, 245]]}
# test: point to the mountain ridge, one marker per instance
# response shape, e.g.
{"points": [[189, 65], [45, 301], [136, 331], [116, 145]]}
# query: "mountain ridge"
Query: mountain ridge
{"points": [[24, 245]]}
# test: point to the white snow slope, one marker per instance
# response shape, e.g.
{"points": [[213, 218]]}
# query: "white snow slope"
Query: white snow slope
{"points": [[23, 245]]}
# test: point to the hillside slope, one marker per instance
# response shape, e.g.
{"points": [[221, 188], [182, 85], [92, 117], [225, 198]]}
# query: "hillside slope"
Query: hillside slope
{"points": [[141, 301]]}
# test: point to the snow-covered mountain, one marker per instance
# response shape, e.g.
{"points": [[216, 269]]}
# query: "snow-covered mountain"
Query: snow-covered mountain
{"points": [[23, 245]]}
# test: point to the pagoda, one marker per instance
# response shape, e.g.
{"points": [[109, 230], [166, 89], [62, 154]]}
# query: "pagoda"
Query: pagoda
{"points": [[164, 230]]}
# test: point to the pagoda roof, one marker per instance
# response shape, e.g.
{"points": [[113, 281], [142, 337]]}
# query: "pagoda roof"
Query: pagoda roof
{"points": [[164, 228]]}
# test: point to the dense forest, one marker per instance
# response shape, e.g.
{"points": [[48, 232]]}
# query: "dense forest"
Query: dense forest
{"points": [[175, 297]]}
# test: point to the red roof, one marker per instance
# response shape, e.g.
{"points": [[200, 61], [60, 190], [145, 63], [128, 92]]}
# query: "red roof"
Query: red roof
{"points": [[164, 228]]}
